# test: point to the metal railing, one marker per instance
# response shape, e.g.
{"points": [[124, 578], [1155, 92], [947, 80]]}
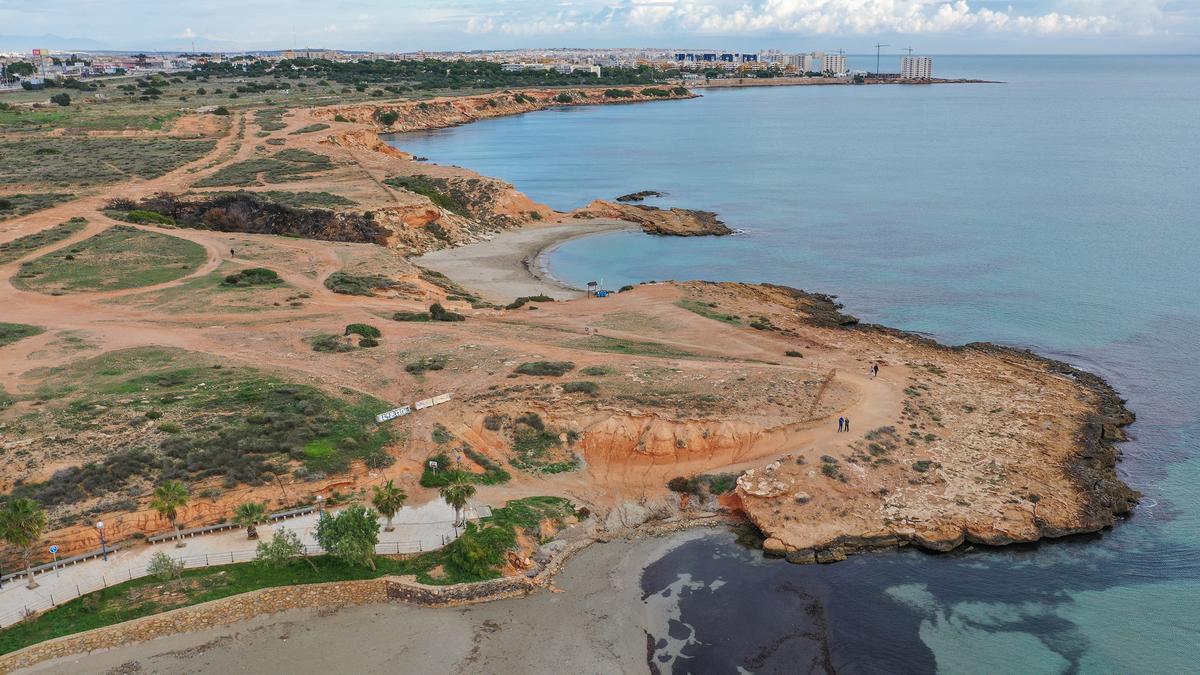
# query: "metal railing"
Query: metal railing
{"points": [[38, 605]]}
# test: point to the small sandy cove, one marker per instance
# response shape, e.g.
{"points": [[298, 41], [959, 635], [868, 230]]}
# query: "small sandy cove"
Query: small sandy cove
{"points": [[509, 264]]}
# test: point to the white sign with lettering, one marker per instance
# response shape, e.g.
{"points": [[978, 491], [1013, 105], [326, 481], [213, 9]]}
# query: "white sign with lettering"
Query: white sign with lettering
{"points": [[393, 414]]}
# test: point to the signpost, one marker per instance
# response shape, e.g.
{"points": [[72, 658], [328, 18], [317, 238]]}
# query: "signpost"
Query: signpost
{"points": [[54, 552]]}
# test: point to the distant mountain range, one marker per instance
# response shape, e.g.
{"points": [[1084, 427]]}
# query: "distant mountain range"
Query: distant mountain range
{"points": [[24, 43]]}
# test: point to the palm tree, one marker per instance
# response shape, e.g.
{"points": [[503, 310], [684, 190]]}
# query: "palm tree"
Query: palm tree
{"points": [[248, 515], [388, 499], [456, 493], [21, 524], [167, 500]]}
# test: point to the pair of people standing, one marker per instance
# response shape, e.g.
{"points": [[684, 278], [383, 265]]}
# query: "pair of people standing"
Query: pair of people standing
{"points": [[843, 424], [874, 369]]}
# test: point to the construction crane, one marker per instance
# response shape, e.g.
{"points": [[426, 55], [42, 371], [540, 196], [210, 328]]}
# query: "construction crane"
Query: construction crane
{"points": [[908, 49], [877, 48]]}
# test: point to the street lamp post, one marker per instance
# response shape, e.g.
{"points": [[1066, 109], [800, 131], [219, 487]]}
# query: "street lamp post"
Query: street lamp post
{"points": [[103, 543], [320, 503]]}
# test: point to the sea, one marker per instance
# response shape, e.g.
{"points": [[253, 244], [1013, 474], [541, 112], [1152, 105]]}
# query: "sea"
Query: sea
{"points": [[1058, 210]]}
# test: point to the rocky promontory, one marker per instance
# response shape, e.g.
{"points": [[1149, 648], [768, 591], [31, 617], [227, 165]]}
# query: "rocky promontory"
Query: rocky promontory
{"points": [[985, 444], [670, 222]]}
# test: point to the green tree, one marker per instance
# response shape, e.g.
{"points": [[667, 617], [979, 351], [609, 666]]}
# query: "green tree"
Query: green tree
{"points": [[61, 99], [20, 69], [21, 524], [164, 567], [283, 548], [167, 499], [350, 535], [456, 492], [249, 515], [388, 499]]}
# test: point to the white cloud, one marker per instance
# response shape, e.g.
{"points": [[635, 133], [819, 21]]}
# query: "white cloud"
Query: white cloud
{"points": [[806, 17]]}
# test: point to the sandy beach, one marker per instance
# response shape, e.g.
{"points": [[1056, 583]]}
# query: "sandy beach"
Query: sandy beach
{"points": [[593, 620], [508, 265]]}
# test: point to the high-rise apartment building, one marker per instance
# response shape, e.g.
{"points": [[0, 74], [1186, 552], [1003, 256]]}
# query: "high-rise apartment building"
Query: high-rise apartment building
{"points": [[916, 68]]}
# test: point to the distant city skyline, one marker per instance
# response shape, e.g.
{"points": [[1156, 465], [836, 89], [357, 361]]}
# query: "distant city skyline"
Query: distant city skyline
{"points": [[960, 26]]}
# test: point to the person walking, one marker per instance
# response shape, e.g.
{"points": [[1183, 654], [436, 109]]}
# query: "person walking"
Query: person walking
{"points": [[841, 422], [847, 429]]}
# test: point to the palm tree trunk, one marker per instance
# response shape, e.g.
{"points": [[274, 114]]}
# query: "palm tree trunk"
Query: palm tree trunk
{"points": [[179, 543], [29, 569], [388, 527]]}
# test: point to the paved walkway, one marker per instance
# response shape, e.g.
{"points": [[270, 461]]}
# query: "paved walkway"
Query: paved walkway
{"points": [[418, 528]]}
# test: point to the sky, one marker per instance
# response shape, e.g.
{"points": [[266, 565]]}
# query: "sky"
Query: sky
{"points": [[929, 26]]}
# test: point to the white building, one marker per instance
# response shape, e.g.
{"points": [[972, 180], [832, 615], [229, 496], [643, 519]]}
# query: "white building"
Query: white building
{"points": [[834, 63], [802, 62], [916, 67]]}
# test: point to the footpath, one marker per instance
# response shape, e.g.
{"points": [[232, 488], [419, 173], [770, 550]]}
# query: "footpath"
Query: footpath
{"points": [[418, 528]]}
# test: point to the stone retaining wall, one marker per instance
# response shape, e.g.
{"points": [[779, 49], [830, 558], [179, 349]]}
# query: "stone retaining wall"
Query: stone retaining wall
{"points": [[198, 617]]}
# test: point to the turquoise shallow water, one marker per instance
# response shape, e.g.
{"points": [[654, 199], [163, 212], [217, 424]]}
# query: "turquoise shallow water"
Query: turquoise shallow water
{"points": [[1058, 211]]}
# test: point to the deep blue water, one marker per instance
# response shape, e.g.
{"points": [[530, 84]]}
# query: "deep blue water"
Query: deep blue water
{"points": [[1059, 210]]}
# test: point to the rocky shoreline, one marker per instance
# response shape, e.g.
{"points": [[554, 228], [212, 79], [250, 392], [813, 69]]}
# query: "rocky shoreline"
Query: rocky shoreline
{"points": [[1092, 467]]}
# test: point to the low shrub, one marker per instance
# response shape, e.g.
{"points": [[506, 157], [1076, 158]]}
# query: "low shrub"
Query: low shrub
{"points": [[437, 362], [351, 284], [531, 420], [252, 276], [545, 368], [439, 313], [720, 483], [522, 301], [494, 422], [143, 217], [793, 353], [684, 485], [411, 316], [330, 343], [363, 329], [581, 388]]}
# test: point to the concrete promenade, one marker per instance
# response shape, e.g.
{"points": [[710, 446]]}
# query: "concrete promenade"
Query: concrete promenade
{"points": [[417, 528]]}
